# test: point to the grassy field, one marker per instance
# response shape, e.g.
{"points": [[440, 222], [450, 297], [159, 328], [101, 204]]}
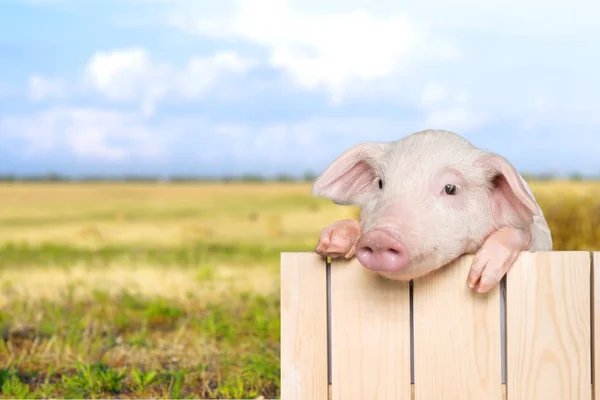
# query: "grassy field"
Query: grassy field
{"points": [[158, 290]]}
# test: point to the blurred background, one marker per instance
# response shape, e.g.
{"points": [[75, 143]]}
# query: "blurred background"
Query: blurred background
{"points": [[156, 157]]}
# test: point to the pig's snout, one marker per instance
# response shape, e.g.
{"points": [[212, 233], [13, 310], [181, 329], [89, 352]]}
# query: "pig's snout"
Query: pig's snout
{"points": [[380, 252]]}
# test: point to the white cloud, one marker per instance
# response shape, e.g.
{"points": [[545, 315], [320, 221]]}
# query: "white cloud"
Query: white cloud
{"points": [[116, 137], [121, 74], [365, 49], [41, 88], [131, 75], [86, 133], [202, 73], [128, 75], [325, 49]]}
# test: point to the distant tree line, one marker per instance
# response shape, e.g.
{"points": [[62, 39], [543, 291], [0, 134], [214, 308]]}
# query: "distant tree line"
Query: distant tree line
{"points": [[52, 177], [250, 178]]}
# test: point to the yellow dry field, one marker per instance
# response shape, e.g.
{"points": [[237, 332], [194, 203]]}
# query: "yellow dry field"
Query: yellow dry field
{"points": [[245, 218], [253, 222]]}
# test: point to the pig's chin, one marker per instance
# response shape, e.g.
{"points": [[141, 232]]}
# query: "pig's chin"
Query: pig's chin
{"points": [[413, 270]]}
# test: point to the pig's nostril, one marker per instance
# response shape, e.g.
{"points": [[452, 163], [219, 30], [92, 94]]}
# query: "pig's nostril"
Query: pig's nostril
{"points": [[367, 249], [394, 251]]}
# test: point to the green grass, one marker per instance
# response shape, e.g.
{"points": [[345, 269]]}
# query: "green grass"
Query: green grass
{"points": [[188, 255], [131, 346]]}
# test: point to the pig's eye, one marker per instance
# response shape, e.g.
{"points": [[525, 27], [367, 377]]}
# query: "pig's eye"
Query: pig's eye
{"points": [[380, 184], [450, 189]]}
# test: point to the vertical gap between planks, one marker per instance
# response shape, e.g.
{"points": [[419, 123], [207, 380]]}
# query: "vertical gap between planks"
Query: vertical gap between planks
{"points": [[412, 338], [328, 283], [503, 334], [412, 332], [592, 324]]}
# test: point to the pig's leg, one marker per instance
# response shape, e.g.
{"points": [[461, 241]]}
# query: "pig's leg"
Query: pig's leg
{"points": [[495, 257], [339, 239]]}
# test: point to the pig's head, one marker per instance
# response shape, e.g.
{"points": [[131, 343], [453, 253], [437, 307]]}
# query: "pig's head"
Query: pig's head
{"points": [[425, 200]]}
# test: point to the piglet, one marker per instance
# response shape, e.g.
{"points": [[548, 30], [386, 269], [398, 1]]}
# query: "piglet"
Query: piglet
{"points": [[427, 199]]}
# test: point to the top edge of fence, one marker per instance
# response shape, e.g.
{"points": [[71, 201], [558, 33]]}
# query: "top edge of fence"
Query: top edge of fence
{"points": [[526, 252]]}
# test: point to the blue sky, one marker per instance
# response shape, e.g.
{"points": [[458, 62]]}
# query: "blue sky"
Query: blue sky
{"points": [[266, 86]]}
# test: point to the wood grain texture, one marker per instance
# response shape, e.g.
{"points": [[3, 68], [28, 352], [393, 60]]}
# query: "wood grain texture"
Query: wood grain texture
{"points": [[457, 347], [548, 326], [303, 327], [370, 322], [596, 324]]}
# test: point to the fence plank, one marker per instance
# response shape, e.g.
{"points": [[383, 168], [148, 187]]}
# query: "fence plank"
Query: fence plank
{"points": [[548, 327], [303, 327], [370, 341], [596, 325], [457, 347]]}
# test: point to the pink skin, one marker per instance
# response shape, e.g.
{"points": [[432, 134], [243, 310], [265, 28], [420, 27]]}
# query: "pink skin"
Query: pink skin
{"points": [[410, 226]]}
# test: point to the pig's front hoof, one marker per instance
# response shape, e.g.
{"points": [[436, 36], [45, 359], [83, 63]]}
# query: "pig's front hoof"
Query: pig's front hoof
{"points": [[495, 257], [339, 239], [334, 248], [488, 270]]}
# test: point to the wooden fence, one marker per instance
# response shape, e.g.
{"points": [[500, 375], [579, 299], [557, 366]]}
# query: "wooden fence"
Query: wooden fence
{"points": [[349, 334]]}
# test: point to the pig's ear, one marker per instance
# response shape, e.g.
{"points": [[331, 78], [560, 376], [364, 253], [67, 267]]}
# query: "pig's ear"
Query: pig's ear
{"points": [[512, 204], [351, 175]]}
